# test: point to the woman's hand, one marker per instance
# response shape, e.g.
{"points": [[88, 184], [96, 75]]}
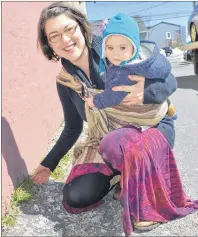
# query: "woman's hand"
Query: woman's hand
{"points": [[89, 101], [136, 95], [41, 175]]}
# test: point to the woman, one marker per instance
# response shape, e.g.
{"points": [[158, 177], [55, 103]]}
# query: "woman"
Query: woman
{"points": [[64, 33]]}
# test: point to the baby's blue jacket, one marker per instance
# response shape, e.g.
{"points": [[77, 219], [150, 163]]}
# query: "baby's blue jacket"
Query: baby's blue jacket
{"points": [[154, 67]]}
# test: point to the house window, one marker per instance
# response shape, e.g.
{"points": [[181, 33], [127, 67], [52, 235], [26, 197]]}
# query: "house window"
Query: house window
{"points": [[168, 35]]}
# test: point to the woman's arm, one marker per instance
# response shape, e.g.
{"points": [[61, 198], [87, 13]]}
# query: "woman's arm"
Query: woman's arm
{"points": [[72, 130]]}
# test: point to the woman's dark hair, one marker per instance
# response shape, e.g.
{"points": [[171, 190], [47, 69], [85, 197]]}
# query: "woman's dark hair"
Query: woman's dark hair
{"points": [[56, 9]]}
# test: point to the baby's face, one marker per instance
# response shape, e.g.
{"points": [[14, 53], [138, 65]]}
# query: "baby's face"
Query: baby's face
{"points": [[118, 49]]}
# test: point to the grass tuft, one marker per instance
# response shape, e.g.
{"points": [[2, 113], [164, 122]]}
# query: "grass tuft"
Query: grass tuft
{"points": [[60, 171], [23, 193], [8, 220]]}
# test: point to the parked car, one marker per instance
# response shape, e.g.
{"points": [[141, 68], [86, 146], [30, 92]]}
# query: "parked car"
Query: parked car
{"points": [[193, 32], [163, 52], [168, 51], [188, 55], [193, 25]]}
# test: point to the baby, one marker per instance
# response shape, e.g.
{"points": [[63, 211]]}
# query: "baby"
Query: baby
{"points": [[122, 53]]}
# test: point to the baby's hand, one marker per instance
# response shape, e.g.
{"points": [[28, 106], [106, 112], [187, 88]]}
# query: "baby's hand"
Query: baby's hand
{"points": [[89, 101]]}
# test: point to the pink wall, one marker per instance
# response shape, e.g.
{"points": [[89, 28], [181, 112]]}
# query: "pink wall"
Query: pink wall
{"points": [[31, 111]]}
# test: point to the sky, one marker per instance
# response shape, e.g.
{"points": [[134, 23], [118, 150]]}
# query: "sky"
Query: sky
{"points": [[173, 12]]}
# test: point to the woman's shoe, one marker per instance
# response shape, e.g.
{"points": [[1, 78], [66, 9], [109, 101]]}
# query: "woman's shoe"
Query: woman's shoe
{"points": [[117, 191], [146, 225]]}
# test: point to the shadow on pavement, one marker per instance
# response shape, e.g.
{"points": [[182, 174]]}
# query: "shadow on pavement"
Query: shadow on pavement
{"points": [[16, 166], [45, 214], [188, 82]]}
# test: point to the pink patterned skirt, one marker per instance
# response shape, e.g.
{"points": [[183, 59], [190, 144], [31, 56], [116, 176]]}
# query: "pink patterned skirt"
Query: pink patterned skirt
{"points": [[150, 181]]}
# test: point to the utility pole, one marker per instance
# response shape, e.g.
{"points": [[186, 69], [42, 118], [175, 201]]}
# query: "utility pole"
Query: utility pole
{"points": [[194, 4]]}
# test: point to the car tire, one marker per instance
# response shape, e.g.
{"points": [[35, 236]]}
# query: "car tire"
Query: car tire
{"points": [[192, 32], [195, 59]]}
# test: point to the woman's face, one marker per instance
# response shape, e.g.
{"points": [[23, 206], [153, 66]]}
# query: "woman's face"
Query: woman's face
{"points": [[65, 37]]}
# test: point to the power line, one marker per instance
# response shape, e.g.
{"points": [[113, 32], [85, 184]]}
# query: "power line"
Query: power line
{"points": [[142, 9], [151, 16], [105, 4], [148, 8], [164, 18], [165, 14], [158, 19]]}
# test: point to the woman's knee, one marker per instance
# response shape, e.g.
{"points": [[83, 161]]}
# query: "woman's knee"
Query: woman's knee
{"points": [[70, 196], [112, 144], [86, 190]]}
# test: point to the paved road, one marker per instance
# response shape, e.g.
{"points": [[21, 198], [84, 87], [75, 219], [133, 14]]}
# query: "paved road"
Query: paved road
{"points": [[186, 146], [44, 215]]}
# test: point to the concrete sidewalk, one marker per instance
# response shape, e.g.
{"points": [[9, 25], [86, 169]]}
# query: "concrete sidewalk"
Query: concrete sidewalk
{"points": [[44, 215]]}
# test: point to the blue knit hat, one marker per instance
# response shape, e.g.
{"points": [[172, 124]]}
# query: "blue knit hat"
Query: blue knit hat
{"points": [[122, 24]]}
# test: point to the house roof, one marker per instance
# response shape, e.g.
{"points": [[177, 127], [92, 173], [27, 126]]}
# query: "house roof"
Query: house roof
{"points": [[163, 22]]}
